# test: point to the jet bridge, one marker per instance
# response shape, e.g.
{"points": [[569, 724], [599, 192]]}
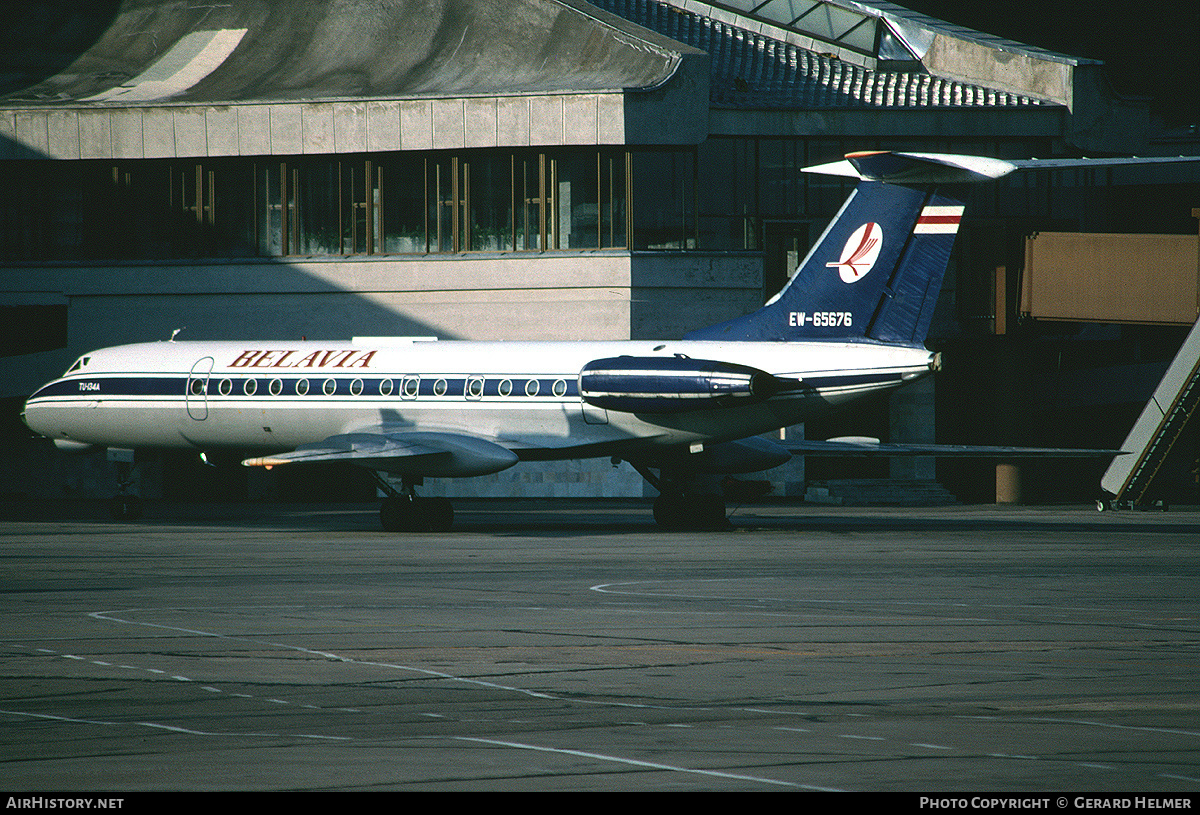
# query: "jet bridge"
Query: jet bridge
{"points": [[1157, 430]]}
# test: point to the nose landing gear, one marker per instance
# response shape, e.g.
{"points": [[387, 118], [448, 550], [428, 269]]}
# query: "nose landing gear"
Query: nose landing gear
{"points": [[125, 506]]}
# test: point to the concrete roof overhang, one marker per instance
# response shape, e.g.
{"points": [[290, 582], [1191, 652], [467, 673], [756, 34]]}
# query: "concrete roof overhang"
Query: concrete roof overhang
{"points": [[275, 77]]}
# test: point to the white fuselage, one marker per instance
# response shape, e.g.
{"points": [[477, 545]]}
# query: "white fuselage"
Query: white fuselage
{"points": [[276, 396]]}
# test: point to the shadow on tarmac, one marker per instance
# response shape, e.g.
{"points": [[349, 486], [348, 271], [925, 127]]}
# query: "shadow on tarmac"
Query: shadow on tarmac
{"points": [[509, 517]]}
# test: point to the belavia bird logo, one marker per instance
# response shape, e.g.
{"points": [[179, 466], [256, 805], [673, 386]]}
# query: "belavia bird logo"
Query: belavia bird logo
{"points": [[860, 253]]}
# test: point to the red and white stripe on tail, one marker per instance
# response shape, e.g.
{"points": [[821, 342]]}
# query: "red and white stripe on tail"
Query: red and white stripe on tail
{"points": [[938, 220]]}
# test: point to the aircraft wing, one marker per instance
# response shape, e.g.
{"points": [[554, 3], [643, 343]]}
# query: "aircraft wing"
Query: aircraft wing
{"points": [[402, 452], [854, 446]]}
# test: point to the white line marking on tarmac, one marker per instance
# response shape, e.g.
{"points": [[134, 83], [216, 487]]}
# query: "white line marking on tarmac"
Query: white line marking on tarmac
{"points": [[639, 763], [109, 616], [1089, 723], [173, 728]]}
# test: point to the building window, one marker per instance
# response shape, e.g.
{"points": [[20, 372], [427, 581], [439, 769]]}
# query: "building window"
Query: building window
{"points": [[468, 201], [402, 199], [729, 213], [664, 211], [321, 206]]}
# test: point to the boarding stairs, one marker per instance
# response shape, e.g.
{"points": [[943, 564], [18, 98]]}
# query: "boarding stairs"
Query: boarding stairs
{"points": [[1156, 431]]}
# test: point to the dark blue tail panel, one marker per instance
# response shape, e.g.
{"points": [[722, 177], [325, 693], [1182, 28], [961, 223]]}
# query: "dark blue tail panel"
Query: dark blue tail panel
{"points": [[874, 274]]}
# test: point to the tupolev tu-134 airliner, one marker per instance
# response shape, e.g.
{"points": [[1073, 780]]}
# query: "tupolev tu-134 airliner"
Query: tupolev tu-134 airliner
{"points": [[851, 322]]}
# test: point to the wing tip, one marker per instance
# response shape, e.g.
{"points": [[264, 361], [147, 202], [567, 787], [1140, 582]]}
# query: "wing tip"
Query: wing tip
{"points": [[266, 462]]}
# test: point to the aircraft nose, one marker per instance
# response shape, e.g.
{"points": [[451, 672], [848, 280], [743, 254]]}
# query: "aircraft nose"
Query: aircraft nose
{"points": [[29, 418], [32, 413], [43, 422]]}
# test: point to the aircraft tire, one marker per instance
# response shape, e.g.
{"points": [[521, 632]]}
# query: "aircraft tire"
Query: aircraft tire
{"points": [[710, 513], [397, 515], [401, 514], [438, 512], [669, 512], [690, 513]]}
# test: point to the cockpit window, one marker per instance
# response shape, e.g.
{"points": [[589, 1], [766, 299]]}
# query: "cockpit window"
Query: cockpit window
{"points": [[79, 363]]}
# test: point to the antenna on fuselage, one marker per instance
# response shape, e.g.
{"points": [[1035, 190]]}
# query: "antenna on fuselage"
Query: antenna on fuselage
{"points": [[174, 333]]}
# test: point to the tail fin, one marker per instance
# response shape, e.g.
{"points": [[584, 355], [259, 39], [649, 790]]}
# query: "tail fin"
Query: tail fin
{"points": [[875, 273]]}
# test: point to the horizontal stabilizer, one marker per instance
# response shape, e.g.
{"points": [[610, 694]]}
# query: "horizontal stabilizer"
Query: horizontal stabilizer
{"points": [[853, 446], [946, 168]]}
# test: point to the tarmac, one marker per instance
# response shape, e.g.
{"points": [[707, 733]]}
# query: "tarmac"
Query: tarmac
{"points": [[572, 646]]}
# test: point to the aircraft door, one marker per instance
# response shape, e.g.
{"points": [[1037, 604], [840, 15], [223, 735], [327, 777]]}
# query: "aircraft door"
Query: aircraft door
{"points": [[196, 395]]}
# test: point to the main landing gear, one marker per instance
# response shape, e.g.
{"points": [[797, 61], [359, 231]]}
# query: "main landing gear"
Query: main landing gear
{"points": [[405, 511], [683, 512], [680, 507]]}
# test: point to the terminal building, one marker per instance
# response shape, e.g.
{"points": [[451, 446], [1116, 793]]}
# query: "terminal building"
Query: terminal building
{"points": [[561, 169]]}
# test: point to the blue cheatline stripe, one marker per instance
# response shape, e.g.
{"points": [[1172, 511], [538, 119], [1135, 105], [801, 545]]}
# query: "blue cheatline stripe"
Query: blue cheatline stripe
{"points": [[260, 388], [100, 387], [455, 386]]}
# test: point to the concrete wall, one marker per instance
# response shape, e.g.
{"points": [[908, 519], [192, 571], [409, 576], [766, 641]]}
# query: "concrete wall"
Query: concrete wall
{"points": [[602, 295], [198, 131]]}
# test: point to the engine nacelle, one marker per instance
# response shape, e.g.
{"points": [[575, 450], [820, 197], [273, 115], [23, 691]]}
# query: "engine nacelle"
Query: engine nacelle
{"points": [[71, 446], [672, 384]]}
